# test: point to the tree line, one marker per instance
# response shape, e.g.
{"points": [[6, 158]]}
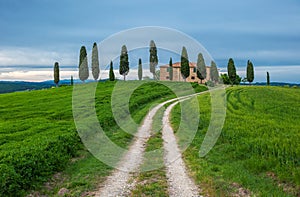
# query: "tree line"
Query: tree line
{"points": [[230, 78]]}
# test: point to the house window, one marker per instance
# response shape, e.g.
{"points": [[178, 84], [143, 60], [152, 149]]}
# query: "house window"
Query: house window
{"points": [[195, 69], [167, 77], [193, 78]]}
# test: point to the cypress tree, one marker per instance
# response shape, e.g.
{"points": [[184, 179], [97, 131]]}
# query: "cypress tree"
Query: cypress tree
{"points": [[231, 71], [201, 67], [72, 81], [95, 62], [185, 65], [268, 78], [140, 70], [56, 73], [111, 72], [214, 73], [83, 65], [171, 69], [250, 72], [124, 63], [153, 58]]}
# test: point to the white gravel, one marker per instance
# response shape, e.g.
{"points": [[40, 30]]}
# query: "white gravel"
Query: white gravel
{"points": [[179, 183]]}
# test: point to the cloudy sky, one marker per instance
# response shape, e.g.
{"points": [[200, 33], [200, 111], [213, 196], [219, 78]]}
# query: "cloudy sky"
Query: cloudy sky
{"points": [[36, 33]]}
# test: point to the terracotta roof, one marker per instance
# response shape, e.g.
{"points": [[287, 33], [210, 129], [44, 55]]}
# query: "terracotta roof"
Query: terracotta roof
{"points": [[178, 65]]}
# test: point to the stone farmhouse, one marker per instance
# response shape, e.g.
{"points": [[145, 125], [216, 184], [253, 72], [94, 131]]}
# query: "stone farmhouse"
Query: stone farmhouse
{"points": [[165, 73]]}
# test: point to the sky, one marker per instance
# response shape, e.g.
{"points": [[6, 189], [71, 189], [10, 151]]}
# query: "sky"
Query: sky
{"points": [[36, 33]]}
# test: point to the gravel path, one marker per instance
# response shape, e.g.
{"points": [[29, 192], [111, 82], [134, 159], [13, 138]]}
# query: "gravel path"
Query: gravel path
{"points": [[180, 184], [120, 182]]}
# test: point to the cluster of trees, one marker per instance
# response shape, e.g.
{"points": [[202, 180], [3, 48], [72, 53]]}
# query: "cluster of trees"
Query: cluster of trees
{"points": [[233, 78]]}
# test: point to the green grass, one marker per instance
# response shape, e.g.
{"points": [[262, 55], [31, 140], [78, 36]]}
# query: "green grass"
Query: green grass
{"points": [[258, 150], [38, 137]]}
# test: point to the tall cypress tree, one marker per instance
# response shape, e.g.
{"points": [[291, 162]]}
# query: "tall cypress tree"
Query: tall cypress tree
{"points": [[250, 72], [56, 73], [201, 67], [153, 58], [95, 62], [124, 63], [83, 65], [72, 80], [268, 78], [171, 69], [140, 69], [185, 65], [231, 71], [111, 72], [214, 73]]}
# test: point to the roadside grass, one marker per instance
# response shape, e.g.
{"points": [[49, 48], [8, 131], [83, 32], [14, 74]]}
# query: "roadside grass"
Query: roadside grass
{"points": [[257, 153]]}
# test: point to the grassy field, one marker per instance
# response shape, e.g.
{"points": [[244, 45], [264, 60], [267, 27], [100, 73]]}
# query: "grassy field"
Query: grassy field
{"points": [[38, 138], [258, 152]]}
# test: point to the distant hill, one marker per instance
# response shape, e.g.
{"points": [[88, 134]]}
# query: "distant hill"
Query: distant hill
{"points": [[16, 86]]}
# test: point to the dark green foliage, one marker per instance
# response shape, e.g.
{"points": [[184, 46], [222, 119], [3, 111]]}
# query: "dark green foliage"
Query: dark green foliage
{"points": [[111, 72], [153, 58], [56, 73], [214, 73], [250, 72], [124, 62], [171, 69], [95, 62], [268, 78], [201, 67], [83, 65], [225, 79], [72, 80], [231, 71], [185, 65], [140, 70]]}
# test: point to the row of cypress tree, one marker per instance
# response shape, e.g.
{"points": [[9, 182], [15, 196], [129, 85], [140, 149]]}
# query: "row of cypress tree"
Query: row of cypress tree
{"points": [[124, 65]]}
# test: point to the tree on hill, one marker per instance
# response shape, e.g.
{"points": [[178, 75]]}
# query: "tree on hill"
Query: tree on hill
{"points": [[231, 71], [153, 58], [111, 72], [214, 73], [171, 69], [250, 72], [140, 70], [95, 62], [201, 67], [268, 78], [124, 63], [83, 65], [56, 73], [72, 80], [225, 79], [185, 65]]}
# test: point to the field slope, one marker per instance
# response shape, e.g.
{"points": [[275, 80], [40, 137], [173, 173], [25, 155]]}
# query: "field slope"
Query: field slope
{"points": [[38, 137], [258, 152]]}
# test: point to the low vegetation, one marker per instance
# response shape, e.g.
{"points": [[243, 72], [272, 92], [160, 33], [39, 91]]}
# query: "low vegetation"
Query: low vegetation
{"points": [[38, 138], [258, 152]]}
